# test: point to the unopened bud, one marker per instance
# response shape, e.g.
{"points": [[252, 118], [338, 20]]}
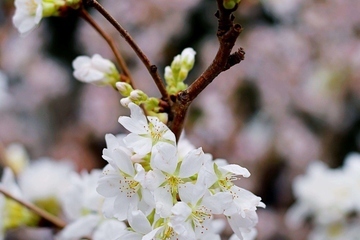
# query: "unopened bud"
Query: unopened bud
{"points": [[138, 95], [125, 101], [124, 88], [188, 58], [176, 63], [183, 74], [169, 77]]}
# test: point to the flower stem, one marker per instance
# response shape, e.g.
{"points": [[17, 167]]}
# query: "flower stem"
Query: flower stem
{"points": [[42, 213], [86, 16], [227, 34], [152, 69]]}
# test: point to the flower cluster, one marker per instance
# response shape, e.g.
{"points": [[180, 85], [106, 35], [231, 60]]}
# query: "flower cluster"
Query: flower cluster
{"points": [[331, 197], [176, 73], [95, 70], [167, 190], [162, 189]]}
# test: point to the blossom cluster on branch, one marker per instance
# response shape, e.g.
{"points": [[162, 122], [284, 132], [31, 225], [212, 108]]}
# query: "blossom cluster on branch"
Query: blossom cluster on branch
{"points": [[156, 184], [162, 189]]}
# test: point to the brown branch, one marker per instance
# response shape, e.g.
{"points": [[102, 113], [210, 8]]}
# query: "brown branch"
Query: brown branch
{"points": [[42, 213], [86, 16], [227, 34], [152, 69]]}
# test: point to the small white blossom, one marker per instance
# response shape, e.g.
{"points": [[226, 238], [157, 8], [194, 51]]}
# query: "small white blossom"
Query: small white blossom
{"points": [[324, 193], [95, 70], [121, 181], [28, 14], [144, 135], [45, 179]]}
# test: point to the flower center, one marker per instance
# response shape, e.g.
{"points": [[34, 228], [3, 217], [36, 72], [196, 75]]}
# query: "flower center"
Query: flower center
{"points": [[173, 182], [168, 233], [129, 186]]}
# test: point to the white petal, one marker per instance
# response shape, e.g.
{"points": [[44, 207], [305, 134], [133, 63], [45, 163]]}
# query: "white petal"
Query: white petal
{"points": [[121, 206], [123, 162], [151, 235], [235, 169], [109, 229], [140, 145], [192, 163], [163, 157], [218, 202], [102, 64], [137, 122], [138, 222], [80, 228], [163, 201], [180, 212], [81, 61], [108, 185], [133, 126]]}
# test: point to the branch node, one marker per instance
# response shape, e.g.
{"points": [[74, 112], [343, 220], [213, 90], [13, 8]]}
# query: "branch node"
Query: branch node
{"points": [[235, 58], [153, 68]]}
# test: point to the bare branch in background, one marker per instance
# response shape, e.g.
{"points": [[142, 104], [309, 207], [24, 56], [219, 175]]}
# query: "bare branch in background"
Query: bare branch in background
{"points": [[152, 69], [42, 213], [227, 34]]}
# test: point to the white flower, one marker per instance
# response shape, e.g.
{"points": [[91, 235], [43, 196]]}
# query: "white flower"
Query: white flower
{"points": [[322, 192], [95, 70], [144, 135], [121, 181], [82, 206], [238, 204], [45, 179], [192, 217], [28, 14], [169, 176], [336, 231]]}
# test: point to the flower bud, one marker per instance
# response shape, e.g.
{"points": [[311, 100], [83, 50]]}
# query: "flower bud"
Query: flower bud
{"points": [[183, 74], [188, 58], [95, 70], [230, 4], [176, 63], [124, 88], [138, 95], [125, 101], [169, 77]]}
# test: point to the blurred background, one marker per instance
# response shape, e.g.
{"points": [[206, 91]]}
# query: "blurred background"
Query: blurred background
{"points": [[295, 99]]}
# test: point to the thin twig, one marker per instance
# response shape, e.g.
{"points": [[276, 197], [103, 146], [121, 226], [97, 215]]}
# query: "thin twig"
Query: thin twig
{"points": [[227, 34], [86, 16], [152, 69], [42, 213]]}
